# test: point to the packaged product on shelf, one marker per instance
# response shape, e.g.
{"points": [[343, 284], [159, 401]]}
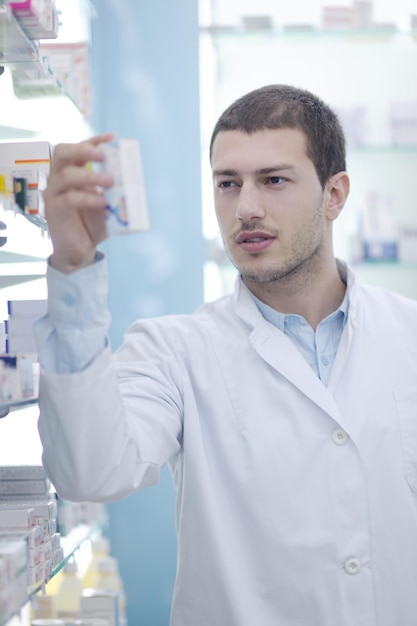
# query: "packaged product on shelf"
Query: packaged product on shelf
{"points": [[30, 160], [14, 43], [403, 121], [109, 578], [71, 64], [17, 518], [18, 521], [13, 552], [2, 337], [16, 378], [101, 604], [20, 188], [337, 17], [407, 242], [27, 308], [22, 472], [24, 487], [33, 536], [7, 189], [380, 236], [38, 18]]}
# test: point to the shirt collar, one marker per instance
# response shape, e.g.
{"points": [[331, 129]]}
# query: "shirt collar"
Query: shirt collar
{"points": [[279, 319]]}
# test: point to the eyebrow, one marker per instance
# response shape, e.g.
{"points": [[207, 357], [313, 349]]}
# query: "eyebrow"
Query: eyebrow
{"points": [[259, 172]]}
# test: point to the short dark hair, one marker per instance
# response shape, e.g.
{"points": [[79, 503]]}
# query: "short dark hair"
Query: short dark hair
{"points": [[284, 106]]}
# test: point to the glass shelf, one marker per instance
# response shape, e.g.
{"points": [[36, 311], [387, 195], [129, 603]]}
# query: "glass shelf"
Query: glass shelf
{"points": [[6, 407], [385, 265], [309, 32], [15, 46], [34, 98], [390, 149], [71, 543], [27, 235]]}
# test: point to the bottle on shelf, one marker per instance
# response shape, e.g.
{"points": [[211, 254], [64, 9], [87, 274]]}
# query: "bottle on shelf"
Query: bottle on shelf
{"points": [[109, 579], [43, 605], [68, 594], [100, 548]]}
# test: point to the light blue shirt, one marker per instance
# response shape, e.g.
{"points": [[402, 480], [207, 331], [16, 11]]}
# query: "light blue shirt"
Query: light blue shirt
{"points": [[317, 347]]}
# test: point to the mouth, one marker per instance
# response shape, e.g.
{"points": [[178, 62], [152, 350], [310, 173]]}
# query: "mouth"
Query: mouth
{"points": [[254, 241]]}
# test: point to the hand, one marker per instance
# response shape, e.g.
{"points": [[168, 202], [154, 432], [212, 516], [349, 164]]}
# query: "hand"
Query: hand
{"points": [[74, 203]]}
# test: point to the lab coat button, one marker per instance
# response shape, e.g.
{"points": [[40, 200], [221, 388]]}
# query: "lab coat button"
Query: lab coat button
{"points": [[352, 566], [353, 320], [340, 437]]}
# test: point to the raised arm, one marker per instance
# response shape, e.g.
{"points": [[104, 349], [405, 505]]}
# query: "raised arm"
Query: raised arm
{"points": [[107, 424]]}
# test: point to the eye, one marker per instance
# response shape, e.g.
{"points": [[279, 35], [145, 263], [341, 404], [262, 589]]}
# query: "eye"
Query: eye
{"points": [[275, 180], [225, 184]]}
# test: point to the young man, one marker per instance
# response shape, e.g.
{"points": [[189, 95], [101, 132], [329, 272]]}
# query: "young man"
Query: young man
{"points": [[286, 411]]}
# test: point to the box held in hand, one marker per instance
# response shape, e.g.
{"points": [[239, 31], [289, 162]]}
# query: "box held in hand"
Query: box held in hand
{"points": [[126, 209]]}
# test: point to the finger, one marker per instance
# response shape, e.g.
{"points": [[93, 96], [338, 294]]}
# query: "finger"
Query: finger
{"points": [[75, 200], [79, 153], [77, 177]]}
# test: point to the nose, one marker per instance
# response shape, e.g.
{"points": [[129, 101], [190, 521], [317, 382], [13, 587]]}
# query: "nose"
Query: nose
{"points": [[249, 205]]}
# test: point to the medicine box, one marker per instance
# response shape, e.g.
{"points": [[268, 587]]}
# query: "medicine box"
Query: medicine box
{"points": [[126, 209], [27, 308], [43, 510], [24, 487], [16, 378], [22, 472], [102, 604], [30, 160], [17, 518]]}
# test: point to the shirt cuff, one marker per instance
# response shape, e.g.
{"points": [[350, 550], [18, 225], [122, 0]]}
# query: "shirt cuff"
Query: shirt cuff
{"points": [[75, 330], [80, 298]]}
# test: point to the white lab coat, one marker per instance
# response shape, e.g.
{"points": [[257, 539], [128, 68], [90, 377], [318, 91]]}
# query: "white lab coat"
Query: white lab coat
{"points": [[297, 503]]}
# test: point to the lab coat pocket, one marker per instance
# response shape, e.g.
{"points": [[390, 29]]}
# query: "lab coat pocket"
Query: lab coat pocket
{"points": [[407, 414]]}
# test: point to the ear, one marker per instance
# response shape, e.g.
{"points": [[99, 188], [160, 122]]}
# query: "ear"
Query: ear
{"points": [[337, 189]]}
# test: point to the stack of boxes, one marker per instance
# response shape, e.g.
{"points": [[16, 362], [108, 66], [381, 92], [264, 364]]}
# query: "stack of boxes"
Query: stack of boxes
{"points": [[24, 167], [22, 314], [30, 545], [19, 366], [38, 18], [33, 520]]}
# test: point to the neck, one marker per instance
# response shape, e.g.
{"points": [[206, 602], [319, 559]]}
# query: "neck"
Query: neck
{"points": [[313, 297]]}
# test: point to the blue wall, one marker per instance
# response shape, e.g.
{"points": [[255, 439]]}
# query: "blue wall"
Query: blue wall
{"points": [[145, 82]]}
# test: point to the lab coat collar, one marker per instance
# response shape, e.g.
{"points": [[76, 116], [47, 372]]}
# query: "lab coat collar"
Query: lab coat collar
{"points": [[274, 347]]}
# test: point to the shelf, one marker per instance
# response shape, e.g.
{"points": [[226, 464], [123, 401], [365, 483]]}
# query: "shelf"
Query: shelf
{"points": [[6, 407], [310, 32], [71, 543], [386, 265], [27, 237], [15, 47], [32, 74], [33, 97], [389, 149]]}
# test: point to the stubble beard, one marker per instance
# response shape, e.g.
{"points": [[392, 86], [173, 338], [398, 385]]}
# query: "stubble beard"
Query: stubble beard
{"points": [[300, 262]]}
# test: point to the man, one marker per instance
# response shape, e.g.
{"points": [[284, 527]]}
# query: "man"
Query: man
{"points": [[286, 411]]}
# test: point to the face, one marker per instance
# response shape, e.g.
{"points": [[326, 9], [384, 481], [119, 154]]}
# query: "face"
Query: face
{"points": [[269, 203]]}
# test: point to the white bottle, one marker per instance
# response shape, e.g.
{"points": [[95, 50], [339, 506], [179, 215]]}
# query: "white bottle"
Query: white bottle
{"points": [[100, 548], [68, 595], [109, 578]]}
